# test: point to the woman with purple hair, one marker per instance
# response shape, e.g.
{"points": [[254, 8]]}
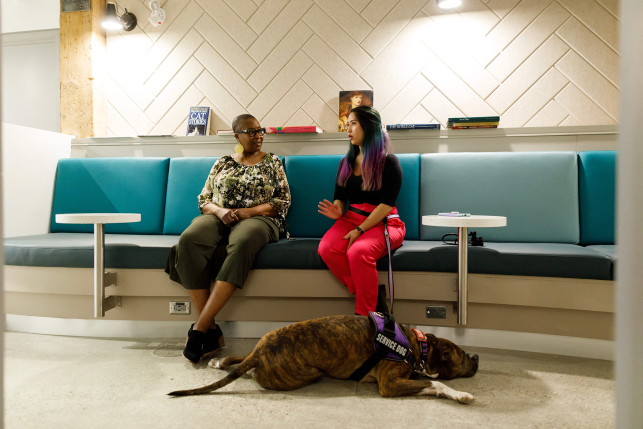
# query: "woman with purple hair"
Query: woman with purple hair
{"points": [[370, 177]]}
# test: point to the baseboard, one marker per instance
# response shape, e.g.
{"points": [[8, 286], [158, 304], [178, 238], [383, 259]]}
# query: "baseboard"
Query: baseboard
{"points": [[506, 340]]}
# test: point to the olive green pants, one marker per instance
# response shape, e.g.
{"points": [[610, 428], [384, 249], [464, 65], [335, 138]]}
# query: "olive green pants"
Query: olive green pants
{"points": [[208, 250]]}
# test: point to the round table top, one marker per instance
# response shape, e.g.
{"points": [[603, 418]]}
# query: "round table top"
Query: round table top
{"points": [[98, 218], [465, 221]]}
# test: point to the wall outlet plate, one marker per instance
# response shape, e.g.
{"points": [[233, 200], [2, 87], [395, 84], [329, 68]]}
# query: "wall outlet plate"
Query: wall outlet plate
{"points": [[436, 312], [182, 307]]}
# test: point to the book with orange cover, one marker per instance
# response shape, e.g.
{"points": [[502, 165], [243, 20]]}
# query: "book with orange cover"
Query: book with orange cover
{"points": [[288, 130]]}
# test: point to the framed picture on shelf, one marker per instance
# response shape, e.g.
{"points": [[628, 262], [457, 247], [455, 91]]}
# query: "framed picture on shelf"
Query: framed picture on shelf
{"points": [[348, 100]]}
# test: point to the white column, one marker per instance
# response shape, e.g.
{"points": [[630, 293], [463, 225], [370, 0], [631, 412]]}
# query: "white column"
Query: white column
{"points": [[629, 290]]}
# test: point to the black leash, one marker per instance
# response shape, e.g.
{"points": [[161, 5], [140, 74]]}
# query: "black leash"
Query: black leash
{"points": [[391, 287]]}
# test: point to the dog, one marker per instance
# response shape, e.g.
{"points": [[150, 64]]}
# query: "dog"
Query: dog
{"points": [[295, 356]]}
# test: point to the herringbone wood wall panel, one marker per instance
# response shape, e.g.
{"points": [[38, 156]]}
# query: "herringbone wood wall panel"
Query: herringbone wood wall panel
{"points": [[533, 62]]}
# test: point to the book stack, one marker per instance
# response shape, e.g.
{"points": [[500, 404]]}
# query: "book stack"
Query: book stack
{"points": [[473, 122], [413, 127], [288, 130]]}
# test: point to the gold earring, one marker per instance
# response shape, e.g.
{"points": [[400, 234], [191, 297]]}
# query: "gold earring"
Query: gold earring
{"points": [[238, 148]]}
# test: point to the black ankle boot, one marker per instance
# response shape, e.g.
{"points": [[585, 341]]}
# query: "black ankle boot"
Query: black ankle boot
{"points": [[194, 345], [213, 342], [381, 306]]}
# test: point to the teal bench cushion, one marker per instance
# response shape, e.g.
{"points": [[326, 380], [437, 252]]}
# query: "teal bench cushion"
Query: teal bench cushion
{"points": [[597, 194], [512, 259], [76, 250], [312, 179], [186, 179], [536, 191], [112, 185]]}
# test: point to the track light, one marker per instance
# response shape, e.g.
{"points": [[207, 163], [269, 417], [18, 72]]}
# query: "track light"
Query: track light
{"points": [[448, 4], [114, 21]]}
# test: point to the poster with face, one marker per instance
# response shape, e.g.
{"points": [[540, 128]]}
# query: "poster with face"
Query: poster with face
{"points": [[348, 100]]}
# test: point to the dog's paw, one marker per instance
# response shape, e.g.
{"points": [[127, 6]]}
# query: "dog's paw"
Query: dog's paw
{"points": [[215, 363], [464, 397]]}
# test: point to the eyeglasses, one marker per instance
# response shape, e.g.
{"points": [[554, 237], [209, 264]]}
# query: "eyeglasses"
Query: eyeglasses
{"points": [[252, 132]]}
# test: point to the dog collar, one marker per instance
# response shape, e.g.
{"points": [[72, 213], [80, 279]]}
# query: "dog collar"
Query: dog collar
{"points": [[424, 348]]}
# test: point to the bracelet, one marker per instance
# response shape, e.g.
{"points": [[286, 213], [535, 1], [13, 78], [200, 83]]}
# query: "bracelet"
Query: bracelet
{"points": [[360, 230]]}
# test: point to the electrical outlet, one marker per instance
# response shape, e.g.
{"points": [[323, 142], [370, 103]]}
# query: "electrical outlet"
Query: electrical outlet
{"points": [[436, 312], [179, 307]]}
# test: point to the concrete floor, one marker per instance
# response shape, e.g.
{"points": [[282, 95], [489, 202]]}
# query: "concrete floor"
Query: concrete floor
{"points": [[65, 382]]}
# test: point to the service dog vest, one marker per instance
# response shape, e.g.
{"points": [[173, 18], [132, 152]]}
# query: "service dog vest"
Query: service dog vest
{"points": [[391, 343]]}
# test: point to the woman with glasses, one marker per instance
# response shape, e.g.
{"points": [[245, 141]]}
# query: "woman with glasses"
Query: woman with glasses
{"points": [[243, 204], [370, 178]]}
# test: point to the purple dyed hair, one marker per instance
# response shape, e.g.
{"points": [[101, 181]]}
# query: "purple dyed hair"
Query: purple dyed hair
{"points": [[376, 146]]}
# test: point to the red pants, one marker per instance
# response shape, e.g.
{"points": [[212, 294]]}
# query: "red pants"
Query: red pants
{"points": [[356, 268]]}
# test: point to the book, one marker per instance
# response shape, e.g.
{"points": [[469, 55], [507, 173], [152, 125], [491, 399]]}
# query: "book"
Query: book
{"points": [[465, 127], [473, 124], [225, 132], [198, 121], [413, 127], [288, 130], [475, 119], [348, 100]]}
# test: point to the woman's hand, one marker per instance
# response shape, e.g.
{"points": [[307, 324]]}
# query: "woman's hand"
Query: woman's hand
{"points": [[351, 237], [243, 214], [330, 210], [227, 216]]}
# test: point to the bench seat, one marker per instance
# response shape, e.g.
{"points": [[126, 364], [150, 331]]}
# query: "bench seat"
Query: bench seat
{"points": [[75, 250]]}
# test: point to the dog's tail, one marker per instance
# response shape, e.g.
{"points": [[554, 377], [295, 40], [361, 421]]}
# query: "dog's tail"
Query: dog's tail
{"points": [[248, 363]]}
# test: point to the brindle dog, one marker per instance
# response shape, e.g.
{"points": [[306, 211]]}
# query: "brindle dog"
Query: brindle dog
{"points": [[295, 356]]}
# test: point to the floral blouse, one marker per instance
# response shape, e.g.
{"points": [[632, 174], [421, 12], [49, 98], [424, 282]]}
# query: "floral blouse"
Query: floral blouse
{"points": [[232, 186]]}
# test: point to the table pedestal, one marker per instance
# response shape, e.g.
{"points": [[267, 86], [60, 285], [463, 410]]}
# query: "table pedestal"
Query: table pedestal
{"points": [[101, 278], [463, 275]]}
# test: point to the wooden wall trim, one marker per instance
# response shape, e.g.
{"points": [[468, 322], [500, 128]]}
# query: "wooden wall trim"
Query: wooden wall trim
{"points": [[82, 72]]}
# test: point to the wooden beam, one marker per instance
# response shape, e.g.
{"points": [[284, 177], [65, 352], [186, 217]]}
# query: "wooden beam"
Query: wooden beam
{"points": [[82, 72]]}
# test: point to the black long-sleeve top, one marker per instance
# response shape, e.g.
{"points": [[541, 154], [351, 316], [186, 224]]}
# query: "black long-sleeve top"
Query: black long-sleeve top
{"points": [[391, 184]]}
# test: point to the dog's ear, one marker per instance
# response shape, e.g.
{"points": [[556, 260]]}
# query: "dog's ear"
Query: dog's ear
{"points": [[430, 338]]}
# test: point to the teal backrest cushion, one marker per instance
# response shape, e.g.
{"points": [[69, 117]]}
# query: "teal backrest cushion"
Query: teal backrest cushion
{"points": [[112, 185], [536, 191], [408, 200], [597, 194], [186, 179], [312, 179]]}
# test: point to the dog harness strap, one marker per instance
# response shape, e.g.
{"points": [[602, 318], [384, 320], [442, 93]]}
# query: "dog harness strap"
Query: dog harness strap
{"points": [[391, 288], [424, 349], [389, 343]]}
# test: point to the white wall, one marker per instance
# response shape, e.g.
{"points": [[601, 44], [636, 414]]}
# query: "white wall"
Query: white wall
{"points": [[29, 160], [31, 79], [29, 15], [536, 63]]}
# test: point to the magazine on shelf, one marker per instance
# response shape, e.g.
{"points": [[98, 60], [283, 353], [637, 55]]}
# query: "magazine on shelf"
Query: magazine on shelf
{"points": [[199, 121], [348, 100]]}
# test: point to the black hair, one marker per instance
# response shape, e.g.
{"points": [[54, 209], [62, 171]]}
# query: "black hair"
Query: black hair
{"points": [[236, 123]]}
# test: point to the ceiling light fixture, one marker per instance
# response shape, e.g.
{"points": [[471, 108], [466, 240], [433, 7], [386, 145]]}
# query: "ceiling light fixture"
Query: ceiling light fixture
{"points": [[448, 4], [114, 21]]}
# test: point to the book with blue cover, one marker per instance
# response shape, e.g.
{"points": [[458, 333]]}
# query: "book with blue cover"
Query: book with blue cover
{"points": [[413, 127], [199, 121]]}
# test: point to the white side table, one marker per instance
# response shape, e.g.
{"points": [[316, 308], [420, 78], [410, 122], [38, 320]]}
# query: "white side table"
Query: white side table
{"points": [[463, 223], [101, 305]]}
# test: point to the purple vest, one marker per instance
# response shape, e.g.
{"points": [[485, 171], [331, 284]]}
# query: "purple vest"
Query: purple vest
{"points": [[398, 347]]}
